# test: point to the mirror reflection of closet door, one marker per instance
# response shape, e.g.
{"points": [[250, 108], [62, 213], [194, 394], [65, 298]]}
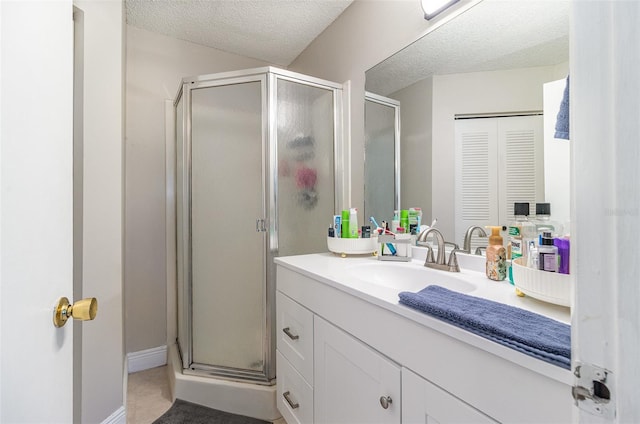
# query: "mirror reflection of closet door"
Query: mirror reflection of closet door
{"points": [[381, 158], [498, 162]]}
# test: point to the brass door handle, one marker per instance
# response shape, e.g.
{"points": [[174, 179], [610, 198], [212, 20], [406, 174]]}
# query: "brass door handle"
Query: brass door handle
{"points": [[84, 310]]}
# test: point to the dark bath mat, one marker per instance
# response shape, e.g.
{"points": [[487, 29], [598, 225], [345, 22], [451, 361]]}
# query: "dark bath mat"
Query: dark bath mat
{"points": [[182, 412]]}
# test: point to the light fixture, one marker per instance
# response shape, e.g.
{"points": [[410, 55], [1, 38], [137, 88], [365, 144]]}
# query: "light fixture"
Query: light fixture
{"points": [[434, 7]]}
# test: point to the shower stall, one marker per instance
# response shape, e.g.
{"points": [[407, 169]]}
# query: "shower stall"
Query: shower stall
{"points": [[256, 177]]}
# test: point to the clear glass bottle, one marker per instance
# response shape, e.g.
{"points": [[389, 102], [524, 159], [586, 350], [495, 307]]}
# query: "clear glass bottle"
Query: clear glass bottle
{"points": [[521, 232], [543, 221]]}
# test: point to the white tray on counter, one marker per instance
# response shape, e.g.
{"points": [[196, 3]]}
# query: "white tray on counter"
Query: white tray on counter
{"points": [[352, 246], [551, 287]]}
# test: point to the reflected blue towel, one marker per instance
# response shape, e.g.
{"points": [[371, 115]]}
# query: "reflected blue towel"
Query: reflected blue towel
{"points": [[524, 331], [562, 120]]}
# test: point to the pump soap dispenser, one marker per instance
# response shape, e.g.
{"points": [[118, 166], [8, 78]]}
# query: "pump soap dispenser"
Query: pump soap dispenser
{"points": [[496, 256]]}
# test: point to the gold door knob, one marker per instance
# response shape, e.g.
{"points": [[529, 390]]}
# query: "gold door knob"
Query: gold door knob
{"points": [[84, 310]]}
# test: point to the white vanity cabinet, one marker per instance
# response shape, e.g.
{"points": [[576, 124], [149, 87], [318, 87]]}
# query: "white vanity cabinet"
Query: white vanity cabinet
{"points": [[426, 403], [350, 354], [353, 383]]}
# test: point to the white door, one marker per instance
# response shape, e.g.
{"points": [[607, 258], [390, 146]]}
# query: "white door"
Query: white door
{"points": [[36, 359], [605, 124]]}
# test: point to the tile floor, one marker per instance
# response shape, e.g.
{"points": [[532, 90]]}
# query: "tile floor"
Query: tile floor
{"points": [[148, 396]]}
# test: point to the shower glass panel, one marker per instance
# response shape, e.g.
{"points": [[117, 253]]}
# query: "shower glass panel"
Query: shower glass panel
{"points": [[306, 187], [228, 270], [255, 154], [382, 157]]}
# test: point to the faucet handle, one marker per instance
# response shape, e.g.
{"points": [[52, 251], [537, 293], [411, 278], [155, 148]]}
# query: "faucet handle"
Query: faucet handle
{"points": [[453, 261], [429, 259], [479, 250]]}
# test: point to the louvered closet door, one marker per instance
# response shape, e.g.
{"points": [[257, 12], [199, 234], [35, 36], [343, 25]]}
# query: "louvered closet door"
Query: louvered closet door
{"points": [[520, 144], [498, 162], [476, 188]]}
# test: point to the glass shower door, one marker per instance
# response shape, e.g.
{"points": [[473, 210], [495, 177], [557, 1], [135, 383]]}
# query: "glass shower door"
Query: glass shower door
{"points": [[306, 187], [227, 252]]}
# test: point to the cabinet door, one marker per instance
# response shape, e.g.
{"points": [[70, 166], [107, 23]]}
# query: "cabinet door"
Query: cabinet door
{"points": [[353, 383], [424, 402]]}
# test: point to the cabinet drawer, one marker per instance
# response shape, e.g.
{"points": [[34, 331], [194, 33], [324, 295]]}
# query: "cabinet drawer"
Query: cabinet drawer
{"points": [[295, 396], [295, 335]]}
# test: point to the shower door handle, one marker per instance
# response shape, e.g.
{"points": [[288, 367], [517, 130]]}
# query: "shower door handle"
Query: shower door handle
{"points": [[260, 226]]}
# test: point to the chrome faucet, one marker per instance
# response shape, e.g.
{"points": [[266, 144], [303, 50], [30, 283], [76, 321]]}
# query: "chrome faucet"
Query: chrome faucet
{"points": [[466, 246], [439, 263]]}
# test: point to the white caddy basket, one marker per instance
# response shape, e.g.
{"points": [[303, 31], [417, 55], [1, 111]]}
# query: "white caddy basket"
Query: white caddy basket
{"points": [[352, 246], [551, 287]]}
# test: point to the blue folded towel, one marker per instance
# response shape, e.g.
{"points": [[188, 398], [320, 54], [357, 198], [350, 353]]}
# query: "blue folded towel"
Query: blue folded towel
{"points": [[524, 331], [562, 119]]}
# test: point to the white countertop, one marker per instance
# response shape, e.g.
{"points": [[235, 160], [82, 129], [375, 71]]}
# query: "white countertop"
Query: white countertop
{"points": [[344, 274]]}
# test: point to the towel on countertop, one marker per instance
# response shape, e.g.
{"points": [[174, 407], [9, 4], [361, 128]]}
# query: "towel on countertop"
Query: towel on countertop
{"points": [[562, 120], [524, 331]]}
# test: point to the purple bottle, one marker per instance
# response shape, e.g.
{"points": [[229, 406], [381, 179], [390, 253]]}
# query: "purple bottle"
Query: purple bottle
{"points": [[563, 245]]}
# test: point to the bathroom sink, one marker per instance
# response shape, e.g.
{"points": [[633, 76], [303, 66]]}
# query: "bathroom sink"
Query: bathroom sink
{"points": [[407, 276]]}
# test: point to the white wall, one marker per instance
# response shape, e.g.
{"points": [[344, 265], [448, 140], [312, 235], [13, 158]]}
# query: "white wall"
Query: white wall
{"points": [[103, 177], [155, 66], [480, 92]]}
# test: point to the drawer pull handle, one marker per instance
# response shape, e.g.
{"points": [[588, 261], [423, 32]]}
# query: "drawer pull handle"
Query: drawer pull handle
{"points": [[291, 403], [290, 334], [385, 401]]}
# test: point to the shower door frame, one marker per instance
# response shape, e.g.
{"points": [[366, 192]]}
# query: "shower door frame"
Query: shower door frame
{"points": [[268, 77]]}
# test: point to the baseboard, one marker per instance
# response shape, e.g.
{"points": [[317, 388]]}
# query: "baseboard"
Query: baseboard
{"points": [[118, 417], [146, 359]]}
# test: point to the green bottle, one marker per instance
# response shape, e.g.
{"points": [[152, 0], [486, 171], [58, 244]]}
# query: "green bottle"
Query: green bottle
{"points": [[404, 219], [345, 223]]}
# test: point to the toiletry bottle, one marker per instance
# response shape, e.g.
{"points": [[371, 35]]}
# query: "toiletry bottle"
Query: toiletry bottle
{"points": [[337, 226], [353, 223], [413, 217], [564, 246], [404, 218], [344, 222], [532, 261], [419, 211], [496, 256], [547, 254], [543, 220], [521, 231], [395, 222]]}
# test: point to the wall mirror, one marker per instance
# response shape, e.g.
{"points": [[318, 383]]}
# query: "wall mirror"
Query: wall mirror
{"points": [[492, 60]]}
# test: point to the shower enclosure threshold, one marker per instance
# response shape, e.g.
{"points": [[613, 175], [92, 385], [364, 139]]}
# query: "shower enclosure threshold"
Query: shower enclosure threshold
{"points": [[252, 400]]}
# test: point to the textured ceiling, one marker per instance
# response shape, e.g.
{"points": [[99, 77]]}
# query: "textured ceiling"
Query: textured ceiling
{"points": [[275, 31], [492, 35]]}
